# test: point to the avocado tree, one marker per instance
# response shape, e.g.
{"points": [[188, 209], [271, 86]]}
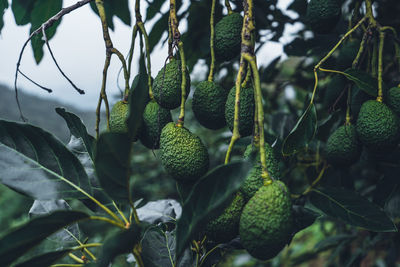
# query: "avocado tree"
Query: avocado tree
{"points": [[283, 163]]}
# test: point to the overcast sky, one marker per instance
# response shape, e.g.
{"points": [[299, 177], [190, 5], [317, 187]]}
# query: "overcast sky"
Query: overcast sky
{"points": [[79, 49]]}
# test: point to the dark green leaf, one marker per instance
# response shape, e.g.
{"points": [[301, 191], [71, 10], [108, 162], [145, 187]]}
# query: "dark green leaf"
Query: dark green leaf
{"points": [[120, 243], [41, 12], [333, 241], [157, 31], [303, 218], [3, 7], [111, 161], [17, 242], [118, 8], [302, 133], [46, 259], [363, 80], [208, 197], [22, 10], [35, 163], [351, 208], [77, 129], [153, 9], [138, 100]]}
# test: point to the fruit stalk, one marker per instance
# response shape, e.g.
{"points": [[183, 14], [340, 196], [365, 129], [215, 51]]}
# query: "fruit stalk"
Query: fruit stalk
{"points": [[228, 6], [211, 74], [380, 62]]}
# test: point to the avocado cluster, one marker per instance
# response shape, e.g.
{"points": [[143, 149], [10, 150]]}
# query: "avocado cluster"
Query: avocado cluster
{"points": [[377, 126], [209, 105], [323, 15], [266, 221], [228, 37], [183, 155], [343, 147], [167, 85], [246, 110], [154, 120], [225, 227], [254, 180]]}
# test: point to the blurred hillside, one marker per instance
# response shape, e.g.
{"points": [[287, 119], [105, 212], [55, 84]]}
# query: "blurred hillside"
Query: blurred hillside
{"points": [[40, 112]]}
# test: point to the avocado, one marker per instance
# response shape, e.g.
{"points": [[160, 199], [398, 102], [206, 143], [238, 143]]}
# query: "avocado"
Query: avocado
{"points": [[182, 153], [393, 99], [246, 110], [167, 85], [154, 120], [225, 227], [377, 126], [228, 37], [323, 15], [254, 181], [266, 222], [209, 105], [343, 147], [118, 116]]}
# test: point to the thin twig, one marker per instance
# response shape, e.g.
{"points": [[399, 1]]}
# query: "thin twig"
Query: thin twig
{"points": [[35, 83]]}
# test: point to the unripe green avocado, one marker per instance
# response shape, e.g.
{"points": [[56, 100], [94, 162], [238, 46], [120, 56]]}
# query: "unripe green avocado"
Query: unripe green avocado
{"points": [[118, 116], [226, 226], [323, 15], [393, 99], [377, 126], [167, 85], [154, 120], [209, 105], [246, 110], [343, 147], [228, 37], [254, 181], [266, 222], [182, 153]]}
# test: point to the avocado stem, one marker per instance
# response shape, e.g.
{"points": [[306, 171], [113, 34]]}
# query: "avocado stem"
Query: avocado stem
{"points": [[228, 7], [212, 65], [380, 67]]}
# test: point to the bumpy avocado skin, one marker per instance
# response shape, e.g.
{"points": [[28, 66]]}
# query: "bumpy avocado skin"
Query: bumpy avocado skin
{"points": [[254, 181], [182, 153], [393, 99], [343, 147], [226, 226], [246, 110], [209, 105], [228, 37], [323, 15], [154, 120], [266, 222], [377, 126], [167, 85]]}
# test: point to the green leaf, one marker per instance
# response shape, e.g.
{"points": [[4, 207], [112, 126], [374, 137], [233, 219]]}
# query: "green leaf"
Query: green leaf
{"points": [[41, 12], [111, 161], [35, 163], [120, 243], [153, 9], [137, 100], [302, 133], [351, 208], [208, 197], [17, 242], [333, 241], [118, 8], [3, 7], [363, 80], [157, 31], [77, 129], [46, 259], [22, 10]]}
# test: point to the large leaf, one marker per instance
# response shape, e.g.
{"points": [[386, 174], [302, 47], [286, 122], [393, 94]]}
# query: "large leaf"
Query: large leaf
{"points": [[302, 133], [35, 163], [159, 249], [154, 8], [20, 240], [77, 129], [22, 10], [120, 243], [118, 8], [157, 31], [363, 80], [3, 7], [208, 197], [351, 208], [46, 259], [112, 164], [163, 210], [137, 100], [41, 12]]}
